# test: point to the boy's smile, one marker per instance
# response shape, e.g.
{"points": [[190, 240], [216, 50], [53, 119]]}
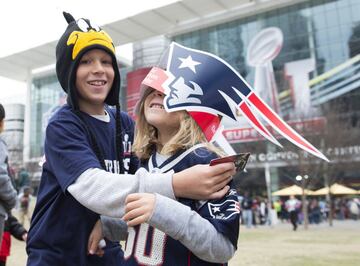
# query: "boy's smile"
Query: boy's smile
{"points": [[94, 79], [97, 85]]}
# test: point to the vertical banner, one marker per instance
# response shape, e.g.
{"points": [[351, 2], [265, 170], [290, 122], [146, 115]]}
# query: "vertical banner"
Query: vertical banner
{"points": [[298, 74], [262, 50]]}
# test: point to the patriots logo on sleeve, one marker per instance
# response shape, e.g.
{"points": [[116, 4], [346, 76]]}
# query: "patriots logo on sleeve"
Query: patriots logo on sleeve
{"points": [[208, 87], [232, 192], [224, 210]]}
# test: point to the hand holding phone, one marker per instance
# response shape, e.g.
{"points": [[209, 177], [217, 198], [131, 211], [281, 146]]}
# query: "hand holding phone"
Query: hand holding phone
{"points": [[240, 160]]}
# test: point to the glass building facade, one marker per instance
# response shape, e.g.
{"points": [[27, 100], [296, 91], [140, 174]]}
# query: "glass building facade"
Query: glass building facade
{"points": [[325, 30], [45, 96], [14, 133]]}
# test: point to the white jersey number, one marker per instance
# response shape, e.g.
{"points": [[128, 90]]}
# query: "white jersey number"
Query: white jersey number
{"points": [[138, 244]]}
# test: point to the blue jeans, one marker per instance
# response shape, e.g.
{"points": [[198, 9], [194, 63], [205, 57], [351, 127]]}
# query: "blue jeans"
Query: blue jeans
{"points": [[248, 219]]}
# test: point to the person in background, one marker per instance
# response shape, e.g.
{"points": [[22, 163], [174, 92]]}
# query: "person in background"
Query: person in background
{"points": [[292, 206], [12, 228], [7, 191], [23, 179], [24, 203], [246, 208], [354, 208], [277, 207], [314, 212]]}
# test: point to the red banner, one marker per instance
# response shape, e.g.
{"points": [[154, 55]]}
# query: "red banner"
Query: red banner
{"points": [[311, 126], [134, 80]]}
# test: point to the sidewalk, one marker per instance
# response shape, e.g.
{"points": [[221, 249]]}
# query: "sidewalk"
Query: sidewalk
{"points": [[320, 245]]}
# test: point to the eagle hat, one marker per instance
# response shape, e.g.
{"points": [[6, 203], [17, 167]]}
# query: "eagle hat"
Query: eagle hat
{"points": [[155, 80], [80, 37]]}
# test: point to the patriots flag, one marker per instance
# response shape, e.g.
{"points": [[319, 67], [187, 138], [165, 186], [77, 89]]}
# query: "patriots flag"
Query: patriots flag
{"points": [[208, 88]]}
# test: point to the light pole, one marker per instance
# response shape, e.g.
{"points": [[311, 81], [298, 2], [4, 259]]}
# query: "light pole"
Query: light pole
{"points": [[302, 180], [268, 191]]}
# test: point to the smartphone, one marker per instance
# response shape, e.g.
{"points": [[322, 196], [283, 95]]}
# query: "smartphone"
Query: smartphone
{"points": [[240, 160]]}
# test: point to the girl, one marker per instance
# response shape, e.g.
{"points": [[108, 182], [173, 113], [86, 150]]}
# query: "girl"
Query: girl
{"points": [[88, 160], [163, 231]]}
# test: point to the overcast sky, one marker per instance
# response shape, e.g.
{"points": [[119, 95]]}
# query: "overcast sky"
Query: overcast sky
{"points": [[29, 23]]}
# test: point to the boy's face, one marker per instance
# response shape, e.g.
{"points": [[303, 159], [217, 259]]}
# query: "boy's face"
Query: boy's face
{"points": [[94, 78], [157, 116]]}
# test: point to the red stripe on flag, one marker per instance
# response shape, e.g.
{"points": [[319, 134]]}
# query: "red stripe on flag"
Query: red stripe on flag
{"points": [[253, 119], [281, 125], [208, 123]]}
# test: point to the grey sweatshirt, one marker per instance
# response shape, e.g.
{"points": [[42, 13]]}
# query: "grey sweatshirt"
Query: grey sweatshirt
{"points": [[7, 191], [182, 224], [105, 193]]}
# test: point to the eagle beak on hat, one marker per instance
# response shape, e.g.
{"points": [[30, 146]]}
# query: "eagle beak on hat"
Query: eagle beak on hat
{"points": [[81, 40]]}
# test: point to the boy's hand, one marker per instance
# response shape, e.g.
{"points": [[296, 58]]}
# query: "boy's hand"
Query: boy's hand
{"points": [[138, 208], [203, 182], [95, 239]]}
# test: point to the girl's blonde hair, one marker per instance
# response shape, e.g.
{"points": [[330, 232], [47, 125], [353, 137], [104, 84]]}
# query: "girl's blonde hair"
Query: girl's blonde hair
{"points": [[188, 135]]}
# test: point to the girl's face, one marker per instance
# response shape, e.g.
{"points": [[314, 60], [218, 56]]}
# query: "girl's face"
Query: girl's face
{"points": [[156, 115], [94, 79]]}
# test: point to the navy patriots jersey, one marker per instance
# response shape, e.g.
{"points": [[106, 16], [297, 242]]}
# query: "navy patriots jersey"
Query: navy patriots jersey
{"points": [[149, 246], [60, 225]]}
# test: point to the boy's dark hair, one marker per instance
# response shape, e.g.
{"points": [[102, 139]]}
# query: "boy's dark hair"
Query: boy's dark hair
{"points": [[80, 37], [2, 112]]}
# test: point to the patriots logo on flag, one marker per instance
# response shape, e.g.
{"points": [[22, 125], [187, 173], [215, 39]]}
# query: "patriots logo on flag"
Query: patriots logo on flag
{"points": [[232, 192], [224, 210], [208, 88]]}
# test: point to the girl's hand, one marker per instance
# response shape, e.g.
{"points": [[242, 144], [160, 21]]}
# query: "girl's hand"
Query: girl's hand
{"points": [[95, 237], [203, 182], [138, 208]]}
